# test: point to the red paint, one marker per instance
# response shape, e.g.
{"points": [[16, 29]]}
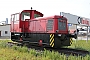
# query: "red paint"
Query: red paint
{"points": [[55, 24], [37, 25], [19, 26], [85, 22], [66, 25], [40, 42], [14, 24], [20, 39]]}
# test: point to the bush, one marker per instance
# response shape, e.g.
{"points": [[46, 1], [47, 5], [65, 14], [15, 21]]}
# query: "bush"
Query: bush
{"points": [[23, 49], [3, 44]]}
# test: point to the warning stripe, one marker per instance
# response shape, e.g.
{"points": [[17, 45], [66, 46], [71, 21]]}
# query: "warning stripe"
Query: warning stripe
{"points": [[52, 40], [51, 37], [52, 44], [71, 41]]}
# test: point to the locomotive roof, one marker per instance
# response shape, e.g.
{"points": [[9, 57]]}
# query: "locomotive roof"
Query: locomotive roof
{"points": [[49, 17], [33, 10]]}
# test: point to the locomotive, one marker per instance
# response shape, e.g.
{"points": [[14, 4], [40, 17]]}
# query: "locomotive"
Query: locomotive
{"points": [[29, 26]]}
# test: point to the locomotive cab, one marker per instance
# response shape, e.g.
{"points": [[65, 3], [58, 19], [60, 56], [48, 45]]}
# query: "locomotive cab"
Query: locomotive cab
{"points": [[20, 22], [26, 16]]}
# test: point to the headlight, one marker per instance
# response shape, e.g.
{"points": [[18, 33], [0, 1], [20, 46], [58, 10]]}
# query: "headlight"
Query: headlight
{"points": [[57, 30], [59, 34], [16, 34]]}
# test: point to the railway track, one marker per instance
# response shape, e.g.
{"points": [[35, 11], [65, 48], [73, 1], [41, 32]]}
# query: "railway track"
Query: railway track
{"points": [[66, 51], [74, 52]]}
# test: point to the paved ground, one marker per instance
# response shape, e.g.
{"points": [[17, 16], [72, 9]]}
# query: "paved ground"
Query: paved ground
{"points": [[83, 37], [4, 38]]}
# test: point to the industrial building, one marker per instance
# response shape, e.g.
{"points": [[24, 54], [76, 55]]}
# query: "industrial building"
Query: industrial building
{"points": [[5, 30], [76, 22]]}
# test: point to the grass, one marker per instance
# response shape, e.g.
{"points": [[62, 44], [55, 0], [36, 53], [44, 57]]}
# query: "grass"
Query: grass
{"points": [[22, 53], [81, 44]]}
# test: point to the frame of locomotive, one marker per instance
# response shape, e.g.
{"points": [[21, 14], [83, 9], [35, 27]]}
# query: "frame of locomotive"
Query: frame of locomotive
{"points": [[37, 30]]}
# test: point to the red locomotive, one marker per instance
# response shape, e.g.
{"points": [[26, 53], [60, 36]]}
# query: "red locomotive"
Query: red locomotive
{"points": [[31, 27]]}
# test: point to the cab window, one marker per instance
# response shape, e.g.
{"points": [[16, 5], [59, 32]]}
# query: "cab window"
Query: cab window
{"points": [[36, 15], [25, 15]]}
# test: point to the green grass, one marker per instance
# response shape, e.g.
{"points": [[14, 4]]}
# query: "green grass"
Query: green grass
{"points": [[81, 44], [22, 53]]}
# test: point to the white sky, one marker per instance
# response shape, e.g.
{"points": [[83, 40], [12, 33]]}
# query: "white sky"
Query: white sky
{"points": [[47, 7]]}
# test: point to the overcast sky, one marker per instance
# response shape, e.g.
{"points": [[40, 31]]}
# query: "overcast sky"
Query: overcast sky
{"points": [[47, 7]]}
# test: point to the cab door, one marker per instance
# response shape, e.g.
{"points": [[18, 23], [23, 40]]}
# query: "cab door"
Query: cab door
{"points": [[24, 22], [26, 25]]}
